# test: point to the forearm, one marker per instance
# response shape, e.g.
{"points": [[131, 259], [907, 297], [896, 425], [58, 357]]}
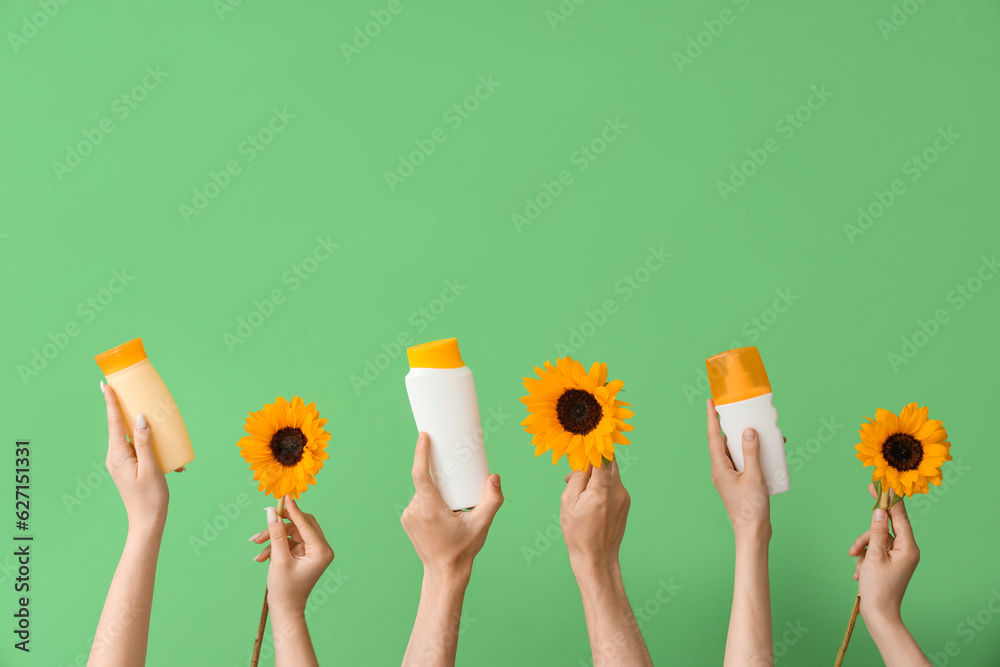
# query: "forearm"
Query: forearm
{"points": [[123, 631], [895, 643], [292, 643], [434, 640], [614, 635], [749, 639]]}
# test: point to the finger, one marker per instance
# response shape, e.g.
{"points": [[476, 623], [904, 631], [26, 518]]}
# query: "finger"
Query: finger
{"points": [[871, 490], [578, 480], [422, 480], [601, 477], [716, 443], [879, 535], [308, 531], [266, 553], [280, 551], [290, 528], [181, 469], [859, 545], [117, 446], [144, 447], [566, 478], [901, 527], [751, 454], [491, 502]]}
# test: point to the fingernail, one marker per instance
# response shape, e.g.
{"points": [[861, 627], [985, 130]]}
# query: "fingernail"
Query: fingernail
{"points": [[255, 558], [140, 421], [272, 515], [102, 386], [749, 434], [496, 480], [879, 514], [253, 537]]}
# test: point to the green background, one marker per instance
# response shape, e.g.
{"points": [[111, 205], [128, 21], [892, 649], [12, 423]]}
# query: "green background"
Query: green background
{"points": [[524, 289]]}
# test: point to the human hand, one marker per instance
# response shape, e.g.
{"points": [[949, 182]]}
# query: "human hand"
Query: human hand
{"points": [[744, 494], [594, 508], [885, 563], [446, 541], [299, 555], [134, 469]]}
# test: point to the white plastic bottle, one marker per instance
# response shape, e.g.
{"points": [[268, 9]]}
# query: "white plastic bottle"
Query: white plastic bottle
{"points": [[743, 399], [443, 399]]}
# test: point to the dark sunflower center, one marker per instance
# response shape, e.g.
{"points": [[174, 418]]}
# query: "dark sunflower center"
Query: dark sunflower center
{"points": [[902, 451], [578, 411], [287, 445]]}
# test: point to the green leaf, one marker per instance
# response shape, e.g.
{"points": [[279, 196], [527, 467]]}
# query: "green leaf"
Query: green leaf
{"points": [[878, 493], [895, 499]]}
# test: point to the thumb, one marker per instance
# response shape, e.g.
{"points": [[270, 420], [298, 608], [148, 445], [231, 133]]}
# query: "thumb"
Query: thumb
{"points": [[879, 535], [280, 552], [142, 439], [492, 500], [751, 453]]}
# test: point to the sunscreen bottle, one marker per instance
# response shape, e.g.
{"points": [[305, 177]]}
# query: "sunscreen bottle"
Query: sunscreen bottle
{"points": [[443, 399], [742, 396], [139, 389]]}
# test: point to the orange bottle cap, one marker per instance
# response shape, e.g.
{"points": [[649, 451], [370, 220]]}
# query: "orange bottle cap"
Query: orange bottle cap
{"points": [[436, 354], [737, 375], [121, 357]]}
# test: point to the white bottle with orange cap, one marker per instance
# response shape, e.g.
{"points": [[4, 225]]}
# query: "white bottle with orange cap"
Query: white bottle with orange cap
{"points": [[443, 399], [743, 399], [139, 389]]}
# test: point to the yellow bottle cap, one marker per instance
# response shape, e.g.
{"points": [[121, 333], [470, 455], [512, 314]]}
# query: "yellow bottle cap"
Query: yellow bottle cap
{"points": [[436, 354], [737, 375], [121, 357]]}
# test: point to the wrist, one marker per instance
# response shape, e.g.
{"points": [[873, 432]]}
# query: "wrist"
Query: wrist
{"points": [[880, 620], [448, 576], [150, 532], [593, 574], [753, 535], [286, 612]]}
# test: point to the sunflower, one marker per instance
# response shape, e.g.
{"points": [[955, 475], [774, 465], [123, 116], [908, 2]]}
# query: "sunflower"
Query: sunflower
{"points": [[575, 413], [286, 446], [907, 451]]}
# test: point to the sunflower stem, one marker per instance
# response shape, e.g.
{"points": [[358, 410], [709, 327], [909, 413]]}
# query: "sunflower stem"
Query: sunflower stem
{"points": [[259, 639], [850, 629], [883, 499]]}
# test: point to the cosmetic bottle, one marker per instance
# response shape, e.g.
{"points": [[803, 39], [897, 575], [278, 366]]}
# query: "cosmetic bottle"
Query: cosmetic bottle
{"points": [[139, 389], [743, 399], [442, 396]]}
